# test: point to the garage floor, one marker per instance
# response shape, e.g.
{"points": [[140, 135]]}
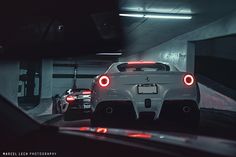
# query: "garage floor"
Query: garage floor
{"points": [[215, 123]]}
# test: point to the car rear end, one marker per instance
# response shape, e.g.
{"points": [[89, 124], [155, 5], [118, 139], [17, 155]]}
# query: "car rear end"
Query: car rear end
{"points": [[144, 90], [78, 103]]}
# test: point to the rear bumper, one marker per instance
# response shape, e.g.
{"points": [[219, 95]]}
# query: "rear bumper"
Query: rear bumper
{"points": [[79, 105], [121, 110], [78, 111], [130, 110], [146, 103], [176, 110]]}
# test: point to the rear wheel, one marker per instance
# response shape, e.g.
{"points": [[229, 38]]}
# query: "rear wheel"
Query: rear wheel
{"points": [[185, 113], [56, 104], [113, 113], [56, 109]]}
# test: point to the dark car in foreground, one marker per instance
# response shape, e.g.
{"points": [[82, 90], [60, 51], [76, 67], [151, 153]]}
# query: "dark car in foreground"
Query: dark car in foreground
{"points": [[31, 137]]}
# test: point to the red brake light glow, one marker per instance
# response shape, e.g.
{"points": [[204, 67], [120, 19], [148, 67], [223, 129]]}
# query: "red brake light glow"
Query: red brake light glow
{"points": [[101, 130], [70, 98], [104, 81], [188, 80], [87, 92], [139, 135], [141, 62], [84, 129]]}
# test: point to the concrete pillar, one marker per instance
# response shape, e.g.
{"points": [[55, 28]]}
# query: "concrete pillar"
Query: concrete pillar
{"points": [[9, 80], [190, 57], [46, 78]]}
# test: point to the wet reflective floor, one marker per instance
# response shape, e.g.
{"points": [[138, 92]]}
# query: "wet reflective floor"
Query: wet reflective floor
{"points": [[213, 123]]}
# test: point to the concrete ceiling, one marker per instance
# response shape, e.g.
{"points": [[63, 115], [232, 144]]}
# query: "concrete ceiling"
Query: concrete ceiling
{"points": [[141, 34], [30, 27], [58, 28]]}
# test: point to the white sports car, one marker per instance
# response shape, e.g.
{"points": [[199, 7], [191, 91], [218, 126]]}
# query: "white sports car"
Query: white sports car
{"points": [[73, 103], [145, 89]]}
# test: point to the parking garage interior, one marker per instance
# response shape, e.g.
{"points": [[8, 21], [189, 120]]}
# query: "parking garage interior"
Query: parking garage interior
{"points": [[47, 48]]}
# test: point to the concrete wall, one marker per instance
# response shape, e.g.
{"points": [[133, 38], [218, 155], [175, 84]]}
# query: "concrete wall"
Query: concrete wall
{"points": [[175, 51], [223, 47], [9, 78], [60, 85], [52, 86], [215, 100], [216, 60], [46, 80]]}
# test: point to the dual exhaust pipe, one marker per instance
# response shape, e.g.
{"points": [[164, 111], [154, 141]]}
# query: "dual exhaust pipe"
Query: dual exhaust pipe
{"points": [[109, 110], [185, 109]]}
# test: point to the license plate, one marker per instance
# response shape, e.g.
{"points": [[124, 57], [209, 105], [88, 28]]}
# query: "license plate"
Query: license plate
{"points": [[87, 106], [147, 89]]}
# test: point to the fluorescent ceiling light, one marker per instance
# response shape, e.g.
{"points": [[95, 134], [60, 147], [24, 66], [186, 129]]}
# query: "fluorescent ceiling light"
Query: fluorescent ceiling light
{"points": [[182, 10], [109, 54], [170, 10], [159, 16], [169, 16], [136, 9], [132, 15]]}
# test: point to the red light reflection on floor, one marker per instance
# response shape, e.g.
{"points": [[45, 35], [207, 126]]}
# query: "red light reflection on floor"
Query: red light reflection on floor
{"points": [[101, 130], [139, 135], [84, 129]]}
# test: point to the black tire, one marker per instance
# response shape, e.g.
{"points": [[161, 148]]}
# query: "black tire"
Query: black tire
{"points": [[55, 105], [54, 108], [173, 112], [59, 110]]}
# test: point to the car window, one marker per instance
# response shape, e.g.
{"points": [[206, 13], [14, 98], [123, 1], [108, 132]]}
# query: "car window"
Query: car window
{"points": [[143, 67]]}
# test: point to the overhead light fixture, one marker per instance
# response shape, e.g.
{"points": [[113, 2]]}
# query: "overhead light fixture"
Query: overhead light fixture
{"points": [[169, 16], [183, 11], [132, 15], [109, 54], [159, 16]]}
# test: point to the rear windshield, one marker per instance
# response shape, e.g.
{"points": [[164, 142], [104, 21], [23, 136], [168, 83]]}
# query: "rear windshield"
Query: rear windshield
{"points": [[143, 67], [70, 91]]}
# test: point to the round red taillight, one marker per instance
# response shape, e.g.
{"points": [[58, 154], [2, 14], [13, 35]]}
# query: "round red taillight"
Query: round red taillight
{"points": [[188, 80], [104, 81], [70, 99]]}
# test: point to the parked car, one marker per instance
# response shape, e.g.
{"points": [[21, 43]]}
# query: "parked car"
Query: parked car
{"points": [[73, 102], [145, 90]]}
